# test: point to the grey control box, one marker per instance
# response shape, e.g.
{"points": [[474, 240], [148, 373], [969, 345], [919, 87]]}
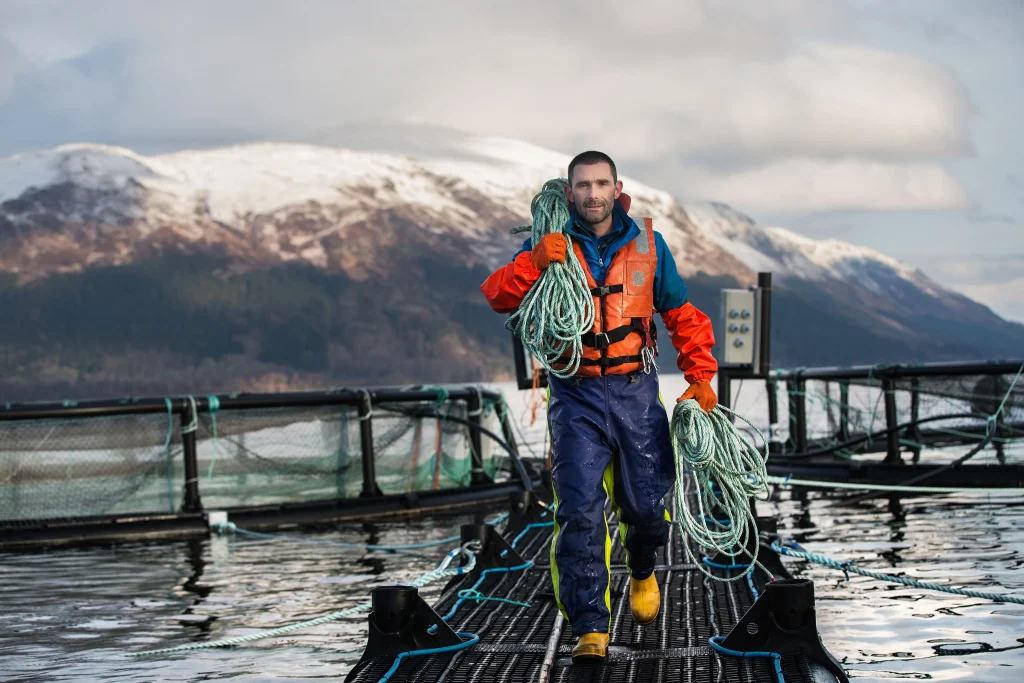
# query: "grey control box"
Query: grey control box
{"points": [[738, 328]]}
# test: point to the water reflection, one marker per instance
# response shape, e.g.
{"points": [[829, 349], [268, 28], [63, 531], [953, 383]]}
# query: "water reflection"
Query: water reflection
{"points": [[70, 615], [195, 552]]}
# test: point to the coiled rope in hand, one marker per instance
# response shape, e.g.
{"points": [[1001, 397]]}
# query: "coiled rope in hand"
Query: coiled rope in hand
{"points": [[559, 308], [715, 454]]}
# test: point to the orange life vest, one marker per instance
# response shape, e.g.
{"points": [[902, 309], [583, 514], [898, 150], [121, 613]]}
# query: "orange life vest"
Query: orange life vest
{"points": [[623, 309]]}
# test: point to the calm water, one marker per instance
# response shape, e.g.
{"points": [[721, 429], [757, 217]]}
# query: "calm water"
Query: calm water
{"points": [[73, 614]]}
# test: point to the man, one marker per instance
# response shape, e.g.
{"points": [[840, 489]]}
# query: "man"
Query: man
{"points": [[609, 429]]}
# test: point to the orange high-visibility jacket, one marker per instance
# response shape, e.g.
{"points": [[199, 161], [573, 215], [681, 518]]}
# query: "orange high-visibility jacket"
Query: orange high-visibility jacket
{"points": [[624, 306]]}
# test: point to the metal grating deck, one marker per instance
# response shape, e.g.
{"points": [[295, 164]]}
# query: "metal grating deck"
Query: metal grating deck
{"points": [[513, 639]]}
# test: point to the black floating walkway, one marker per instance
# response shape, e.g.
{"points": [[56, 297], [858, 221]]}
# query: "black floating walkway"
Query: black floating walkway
{"points": [[514, 639]]}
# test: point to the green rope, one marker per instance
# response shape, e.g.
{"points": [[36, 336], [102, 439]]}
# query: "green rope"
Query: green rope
{"points": [[715, 453], [847, 567], [995, 416], [784, 481], [167, 454], [214, 407], [559, 308], [442, 395]]}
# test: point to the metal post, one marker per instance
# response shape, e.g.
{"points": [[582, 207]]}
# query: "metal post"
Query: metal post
{"points": [[725, 390], [801, 415], [473, 410], [764, 283], [366, 447], [915, 409], [844, 411], [791, 389], [772, 389], [892, 439], [507, 432], [189, 424], [342, 455]]}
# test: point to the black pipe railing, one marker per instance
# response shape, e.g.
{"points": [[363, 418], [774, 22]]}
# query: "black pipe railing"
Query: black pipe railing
{"points": [[892, 438], [886, 377], [764, 284], [188, 408], [187, 426], [476, 442], [900, 371]]}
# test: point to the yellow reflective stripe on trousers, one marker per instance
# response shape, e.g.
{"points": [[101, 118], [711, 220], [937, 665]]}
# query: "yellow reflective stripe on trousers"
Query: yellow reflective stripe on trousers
{"points": [[608, 481]]}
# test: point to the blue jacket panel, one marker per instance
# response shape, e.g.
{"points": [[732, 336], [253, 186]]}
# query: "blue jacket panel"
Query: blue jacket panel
{"points": [[669, 289]]}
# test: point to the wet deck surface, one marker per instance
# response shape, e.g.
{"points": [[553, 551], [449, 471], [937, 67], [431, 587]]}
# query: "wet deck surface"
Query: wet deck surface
{"points": [[514, 638]]}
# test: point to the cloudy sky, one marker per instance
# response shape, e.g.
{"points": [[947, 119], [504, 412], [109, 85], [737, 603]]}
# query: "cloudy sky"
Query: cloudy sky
{"points": [[894, 124]]}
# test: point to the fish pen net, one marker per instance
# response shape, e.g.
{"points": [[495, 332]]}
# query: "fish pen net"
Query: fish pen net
{"points": [[282, 455], [65, 468], [851, 416], [62, 468]]}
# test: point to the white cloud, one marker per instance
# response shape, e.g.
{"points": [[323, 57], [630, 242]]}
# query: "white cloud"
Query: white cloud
{"points": [[8, 67], [649, 80], [767, 105], [812, 185]]}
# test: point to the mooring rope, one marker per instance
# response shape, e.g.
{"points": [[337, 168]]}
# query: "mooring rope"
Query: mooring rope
{"points": [[784, 481], [715, 454], [794, 549], [559, 307]]}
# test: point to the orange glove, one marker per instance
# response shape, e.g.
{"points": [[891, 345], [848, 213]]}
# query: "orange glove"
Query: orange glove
{"points": [[551, 248], [703, 393]]}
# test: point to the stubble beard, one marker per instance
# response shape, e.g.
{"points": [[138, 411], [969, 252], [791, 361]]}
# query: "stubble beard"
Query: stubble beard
{"points": [[585, 216]]}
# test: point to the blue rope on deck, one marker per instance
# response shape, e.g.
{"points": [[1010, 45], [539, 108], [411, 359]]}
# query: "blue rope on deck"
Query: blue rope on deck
{"points": [[535, 525], [719, 565], [470, 594], [471, 640], [716, 643]]}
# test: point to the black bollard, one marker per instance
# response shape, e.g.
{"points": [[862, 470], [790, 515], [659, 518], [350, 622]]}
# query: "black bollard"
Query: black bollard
{"points": [[495, 552], [783, 621], [524, 508], [400, 621]]}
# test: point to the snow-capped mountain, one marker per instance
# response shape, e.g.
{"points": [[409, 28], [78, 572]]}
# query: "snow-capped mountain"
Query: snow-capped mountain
{"points": [[74, 206], [392, 218]]}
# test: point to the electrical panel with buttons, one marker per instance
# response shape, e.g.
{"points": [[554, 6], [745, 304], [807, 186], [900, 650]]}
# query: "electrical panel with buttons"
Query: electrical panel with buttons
{"points": [[738, 329]]}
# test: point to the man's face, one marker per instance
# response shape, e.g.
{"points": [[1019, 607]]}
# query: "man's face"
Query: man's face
{"points": [[593, 191]]}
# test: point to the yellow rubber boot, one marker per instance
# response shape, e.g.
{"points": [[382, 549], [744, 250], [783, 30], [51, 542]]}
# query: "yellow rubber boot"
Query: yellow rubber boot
{"points": [[644, 599], [591, 647]]}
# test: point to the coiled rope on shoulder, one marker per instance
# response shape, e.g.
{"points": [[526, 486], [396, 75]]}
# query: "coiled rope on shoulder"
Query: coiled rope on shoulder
{"points": [[715, 454], [559, 308]]}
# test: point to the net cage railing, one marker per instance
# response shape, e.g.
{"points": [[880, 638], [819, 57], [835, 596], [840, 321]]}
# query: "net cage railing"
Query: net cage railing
{"points": [[190, 453], [894, 409]]}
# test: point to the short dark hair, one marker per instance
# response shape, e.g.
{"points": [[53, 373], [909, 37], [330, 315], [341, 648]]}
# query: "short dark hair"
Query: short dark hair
{"points": [[592, 157]]}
